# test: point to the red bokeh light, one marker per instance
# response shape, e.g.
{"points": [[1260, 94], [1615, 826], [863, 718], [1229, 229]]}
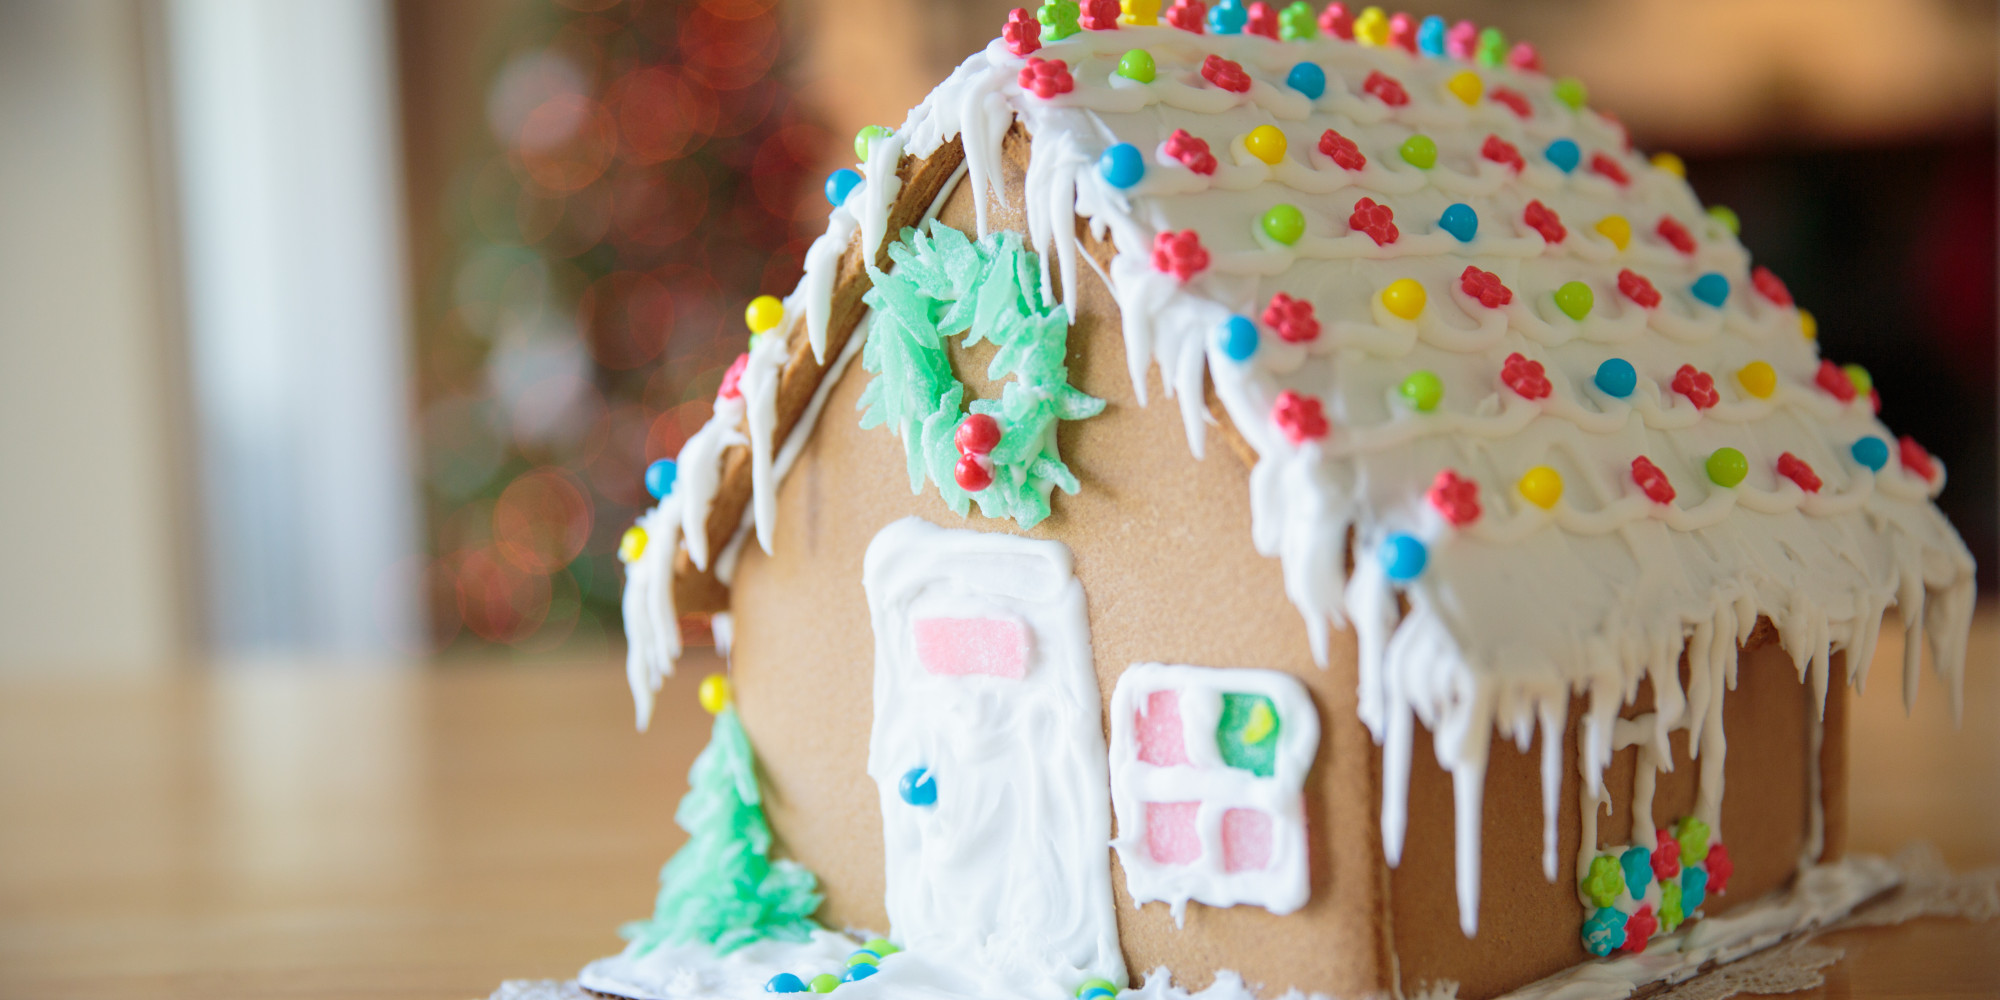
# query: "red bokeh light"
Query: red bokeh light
{"points": [[567, 142], [626, 317], [541, 521], [661, 114], [497, 601], [729, 43]]}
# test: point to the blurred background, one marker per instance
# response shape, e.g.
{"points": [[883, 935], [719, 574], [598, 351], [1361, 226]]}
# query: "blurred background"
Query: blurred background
{"points": [[340, 331]]}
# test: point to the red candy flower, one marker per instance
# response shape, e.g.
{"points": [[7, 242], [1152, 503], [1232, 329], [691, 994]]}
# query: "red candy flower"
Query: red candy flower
{"points": [[1639, 928], [1046, 77], [1525, 377], [1292, 318], [1300, 417], [1022, 32], [1609, 169], [1794, 468], [1540, 219], [1770, 285], [1697, 385], [1457, 499], [1676, 235], [1638, 289], [1192, 152], [1375, 220], [1462, 41], [1101, 15], [1525, 58], [1336, 21], [1486, 287], [1403, 32], [1834, 381], [1263, 20], [1719, 868], [1386, 89], [1225, 74], [1179, 254], [1187, 15], [1915, 458], [1503, 152], [1652, 481], [1513, 99], [734, 375], [1666, 855], [1345, 154]]}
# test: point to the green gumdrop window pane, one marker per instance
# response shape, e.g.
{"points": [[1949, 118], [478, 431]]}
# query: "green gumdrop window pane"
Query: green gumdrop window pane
{"points": [[1247, 734]]}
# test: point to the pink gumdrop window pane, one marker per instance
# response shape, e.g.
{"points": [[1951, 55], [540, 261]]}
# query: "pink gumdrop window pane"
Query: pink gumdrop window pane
{"points": [[1158, 730], [1246, 840], [1171, 837], [972, 647]]}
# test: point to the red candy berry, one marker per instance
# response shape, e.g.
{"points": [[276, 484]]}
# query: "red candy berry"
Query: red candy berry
{"points": [[977, 434], [1834, 381], [1455, 498], [1292, 318], [1374, 219], [1719, 868], [731, 377], [1525, 377], [1187, 15], [1676, 235], [1263, 20], [1915, 458], [1794, 468], [1540, 219], [1226, 74], [1342, 150], [1502, 152], [1639, 928], [1179, 254], [1101, 15], [1486, 287], [1192, 152], [1403, 32], [1525, 58], [973, 472], [1022, 32], [1666, 855], [1514, 101], [1697, 385], [1609, 169], [1386, 89], [1652, 481], [1046, 77], [1770, 286], [1300, 417], [1336, 21], [1638, 289]]}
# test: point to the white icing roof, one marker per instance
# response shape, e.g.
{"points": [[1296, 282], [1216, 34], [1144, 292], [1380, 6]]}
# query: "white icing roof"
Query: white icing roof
{"points": [[1523, 606]]}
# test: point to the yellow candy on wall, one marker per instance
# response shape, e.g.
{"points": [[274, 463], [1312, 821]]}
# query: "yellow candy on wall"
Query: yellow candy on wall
{"points": [[632, 544], [1808, 325], [1615, 229], [1671, 164], [1371, 27], [1758, 379], [765, 312], [1141, 12], [714, 693], [1404, 297], [1542, 486], [1267, 143], [1466, 86]]}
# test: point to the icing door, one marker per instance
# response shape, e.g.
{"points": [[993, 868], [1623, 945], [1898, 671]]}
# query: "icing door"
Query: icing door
{"points": [[988, 752]]}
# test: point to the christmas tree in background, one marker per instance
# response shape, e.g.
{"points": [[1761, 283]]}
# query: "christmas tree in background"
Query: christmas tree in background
{"points": [[722, 888]]}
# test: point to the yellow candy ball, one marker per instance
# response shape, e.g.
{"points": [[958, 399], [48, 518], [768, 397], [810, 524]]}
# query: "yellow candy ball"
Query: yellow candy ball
{"points": [[1615, 229], [1542, 486], [1141, 12], [1808, 325], [1758, 378], [1371, 27], [1404, 297], [1267, 143], [632, 545], [713, 693], [1466, 86], [765, 313], [1671, 164]]}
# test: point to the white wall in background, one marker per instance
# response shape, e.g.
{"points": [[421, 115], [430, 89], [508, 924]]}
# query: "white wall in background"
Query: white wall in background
{"points": [[92, 570], [298, 330]]}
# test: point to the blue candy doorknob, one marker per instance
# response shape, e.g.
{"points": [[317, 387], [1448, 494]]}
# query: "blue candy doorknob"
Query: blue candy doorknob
{"points": [[918, 787]]}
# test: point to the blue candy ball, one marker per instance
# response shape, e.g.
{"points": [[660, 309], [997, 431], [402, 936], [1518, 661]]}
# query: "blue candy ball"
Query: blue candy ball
{"points": [[918, 787], [1564, 154], [1460, 221], [1617, 377], [840, 184], [1872, 452], [785, 982], [660, 478], [1122, 165], [1239, 338], [1308, 79], [1403, 557], [856, 973], [1711, 288], [1430, 36], [1228, 17]]}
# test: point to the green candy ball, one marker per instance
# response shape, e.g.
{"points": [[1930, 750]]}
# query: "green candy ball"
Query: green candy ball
{"points": [[881, 946], [1136, 65], [825, 982], [1864, 383], [1420, 152], [1727, 467], [1285, 223], [1090, 984], [1569, 90], [1727, 216], [867, 136], [1423, 389], [1574, 298]]}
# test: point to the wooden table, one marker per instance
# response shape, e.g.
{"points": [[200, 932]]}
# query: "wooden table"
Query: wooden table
{"points": [[428, 833]]}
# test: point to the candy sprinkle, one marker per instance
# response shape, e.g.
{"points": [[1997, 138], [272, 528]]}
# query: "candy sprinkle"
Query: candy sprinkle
{"points": [[1122, 165], [1430, 38], [825, 982], [1542, 486], [713, 693], [1308, 79], [1404, 297], [1616, 377], [1284, 223], [1570, 91], [1615, 229], [1574, 298], [1872, 452], [1420, 151], [1267, 143], [660, 478], [765, 312], [1423, 389], [1466, 86], [1239, 338], [1808, 325], [1564, 153], [864, 140], [1758, 379], [840, 184], [1727, 216], [632, 544], [1136, 65], [1712, 289], [1492, 50], [1669, 163], [1460, 221], [1727, 467], [1403, 557]]}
